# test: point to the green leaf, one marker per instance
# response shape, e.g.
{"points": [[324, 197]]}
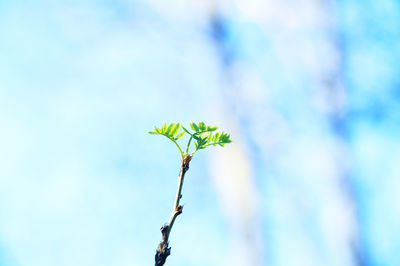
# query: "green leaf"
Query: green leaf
{"points": [[217, 136], [202, 126], [203, 135], [210, 128], [175, 129], [164, 128], [187, 131], [180, 135], [225, 138], [169, 129], [208, 139], [194, 127]]}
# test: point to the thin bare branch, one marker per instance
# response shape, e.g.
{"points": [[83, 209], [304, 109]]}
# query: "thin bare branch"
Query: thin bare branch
{"points": [[163, 250]]}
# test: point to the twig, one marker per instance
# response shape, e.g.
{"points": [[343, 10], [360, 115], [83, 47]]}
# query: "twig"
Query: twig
{"points": [[163, 250]]}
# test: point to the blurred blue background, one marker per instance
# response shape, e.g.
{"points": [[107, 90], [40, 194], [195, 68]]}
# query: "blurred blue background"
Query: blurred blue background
{"points": [[309, 90]]}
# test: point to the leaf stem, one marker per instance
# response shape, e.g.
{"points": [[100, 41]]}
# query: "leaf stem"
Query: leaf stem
{"points": [[178, 147], [175, 144], [187, 148]]}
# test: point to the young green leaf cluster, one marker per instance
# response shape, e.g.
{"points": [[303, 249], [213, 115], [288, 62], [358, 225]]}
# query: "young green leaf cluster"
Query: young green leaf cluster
{"points": [[203, 136], [170, 132]]}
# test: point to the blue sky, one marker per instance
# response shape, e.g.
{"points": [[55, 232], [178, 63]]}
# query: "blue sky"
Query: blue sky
{"points": [[308, 91]]}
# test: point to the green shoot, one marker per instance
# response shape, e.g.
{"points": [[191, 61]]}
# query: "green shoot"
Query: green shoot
{"points": [[202, 137], [202, 134]]}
